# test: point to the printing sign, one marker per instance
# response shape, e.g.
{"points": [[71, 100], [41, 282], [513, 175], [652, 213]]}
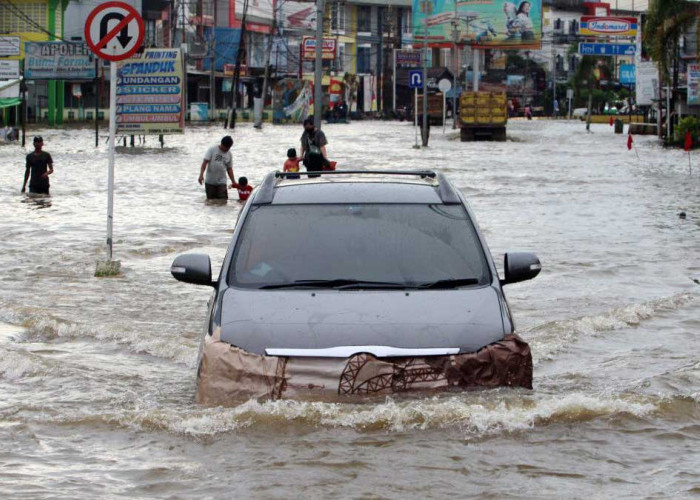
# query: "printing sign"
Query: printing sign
{"points": [[607, 26], [149, 93]]}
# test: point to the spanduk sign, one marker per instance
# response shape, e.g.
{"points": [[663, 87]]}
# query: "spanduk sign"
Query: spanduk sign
{"points": [[605, 26]]}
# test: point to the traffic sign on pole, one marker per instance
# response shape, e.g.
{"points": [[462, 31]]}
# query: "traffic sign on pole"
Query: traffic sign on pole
{"points": [[607, 49], [415, 78], [114, 31]]}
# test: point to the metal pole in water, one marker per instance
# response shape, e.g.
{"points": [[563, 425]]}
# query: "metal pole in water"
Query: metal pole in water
{"points": [[112, 133]]}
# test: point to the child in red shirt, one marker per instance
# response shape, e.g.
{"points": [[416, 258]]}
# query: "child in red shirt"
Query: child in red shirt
{"points": [[243, 188], [292, 163]]}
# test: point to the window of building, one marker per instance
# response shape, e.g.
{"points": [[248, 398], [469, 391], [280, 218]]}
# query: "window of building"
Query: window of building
{"points": [[23, 17], [406, 23], [364, 19], [338, 17], [363, 60]]}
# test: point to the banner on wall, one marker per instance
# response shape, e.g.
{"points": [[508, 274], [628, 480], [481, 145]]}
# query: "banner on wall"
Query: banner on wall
{"points": [[150, 97], [693, 84], [479, 23]]}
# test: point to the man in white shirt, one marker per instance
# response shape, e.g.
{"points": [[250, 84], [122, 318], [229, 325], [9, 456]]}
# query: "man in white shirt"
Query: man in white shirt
{"points": [[217, 164]]}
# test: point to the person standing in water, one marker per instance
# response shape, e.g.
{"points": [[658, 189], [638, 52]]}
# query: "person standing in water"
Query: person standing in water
{"points": [[38, 167], [217, 163]]}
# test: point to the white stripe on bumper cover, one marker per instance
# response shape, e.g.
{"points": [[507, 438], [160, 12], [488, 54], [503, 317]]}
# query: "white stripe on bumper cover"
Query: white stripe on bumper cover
{"points": [[380, 351]]}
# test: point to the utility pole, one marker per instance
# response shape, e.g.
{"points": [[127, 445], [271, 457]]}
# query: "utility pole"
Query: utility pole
{"points": [[212, 77], [231, 118], [427, 9], [258, 120], [455, 39], [318, 68]]}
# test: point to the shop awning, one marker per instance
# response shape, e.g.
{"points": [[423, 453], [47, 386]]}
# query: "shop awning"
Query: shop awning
{"points": [[7, 102]]}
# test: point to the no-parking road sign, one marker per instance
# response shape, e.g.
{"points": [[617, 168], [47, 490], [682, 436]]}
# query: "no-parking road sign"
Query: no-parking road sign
{"points": [[114, 31]]}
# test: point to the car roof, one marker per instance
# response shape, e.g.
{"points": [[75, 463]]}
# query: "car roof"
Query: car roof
{"points": [[355, 191], [421, 187]]}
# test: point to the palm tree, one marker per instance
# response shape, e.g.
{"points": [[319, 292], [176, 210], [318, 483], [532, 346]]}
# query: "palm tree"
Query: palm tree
{"points": [[665, 23]]}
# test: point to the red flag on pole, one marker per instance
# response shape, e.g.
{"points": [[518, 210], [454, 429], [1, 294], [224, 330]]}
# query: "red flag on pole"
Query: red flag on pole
{"points": [[629, 141], [688, 141], [611, 120]]}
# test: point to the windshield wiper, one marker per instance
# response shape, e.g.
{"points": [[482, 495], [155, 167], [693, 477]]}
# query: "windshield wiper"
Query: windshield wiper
{"points": [[340, 284], [449, 283]]}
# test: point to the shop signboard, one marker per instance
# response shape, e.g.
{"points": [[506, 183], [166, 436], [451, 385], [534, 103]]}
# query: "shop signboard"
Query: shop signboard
{"points": [[9, 70], [9, 46], [646, 83], [408, 58], [693, 84], [150, 97], [608, 26], [627, 74], [479, 23], [308, 48], [58, 61]]}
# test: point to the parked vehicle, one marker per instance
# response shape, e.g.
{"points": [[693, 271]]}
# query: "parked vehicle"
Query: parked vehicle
{"points": [[357, 283]]}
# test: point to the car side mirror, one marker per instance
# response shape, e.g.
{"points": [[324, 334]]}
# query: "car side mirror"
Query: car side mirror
{"points": [[192, 268], [520, 266]]}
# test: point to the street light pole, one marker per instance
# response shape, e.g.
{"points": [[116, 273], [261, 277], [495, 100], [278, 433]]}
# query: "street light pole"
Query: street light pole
{"points": [[318, 69], [424, 134]]}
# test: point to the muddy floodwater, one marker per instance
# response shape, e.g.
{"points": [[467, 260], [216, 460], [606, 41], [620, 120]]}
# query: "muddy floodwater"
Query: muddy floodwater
{"points": [[96, 375]]}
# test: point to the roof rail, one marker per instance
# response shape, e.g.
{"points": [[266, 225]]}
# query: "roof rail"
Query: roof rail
{"points": [[420, 173], [266, 192]]}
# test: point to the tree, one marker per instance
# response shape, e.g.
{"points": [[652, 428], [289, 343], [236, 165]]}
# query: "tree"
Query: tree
{"points": [[665, 23]]}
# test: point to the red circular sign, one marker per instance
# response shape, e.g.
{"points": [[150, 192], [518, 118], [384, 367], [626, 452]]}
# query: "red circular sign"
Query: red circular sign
{"points": [[116, 41]]}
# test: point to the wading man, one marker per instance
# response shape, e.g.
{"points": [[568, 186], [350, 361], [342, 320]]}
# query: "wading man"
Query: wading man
{"points": [[217, 164], [313, 147], [39, 167]]}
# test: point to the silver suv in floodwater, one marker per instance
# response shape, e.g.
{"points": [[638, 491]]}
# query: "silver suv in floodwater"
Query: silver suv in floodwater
{"points": [[357, 282]]}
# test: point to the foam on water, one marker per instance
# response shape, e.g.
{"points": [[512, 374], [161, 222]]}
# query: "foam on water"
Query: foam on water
{"points": [[550, 338], [474, 416]]}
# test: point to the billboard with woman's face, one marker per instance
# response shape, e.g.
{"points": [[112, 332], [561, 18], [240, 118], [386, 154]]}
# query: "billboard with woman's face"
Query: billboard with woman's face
{"points": [[480, 23]]}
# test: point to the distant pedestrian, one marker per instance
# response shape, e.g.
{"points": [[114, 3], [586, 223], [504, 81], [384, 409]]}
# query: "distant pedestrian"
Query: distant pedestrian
{"points": [[244, 189], [217, 163], [39, 166], [291, 164], [313, 147], [556, 109]]}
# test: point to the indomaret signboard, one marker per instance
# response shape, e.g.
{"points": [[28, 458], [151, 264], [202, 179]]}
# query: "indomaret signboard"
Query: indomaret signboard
{"points": [[608, 26]]}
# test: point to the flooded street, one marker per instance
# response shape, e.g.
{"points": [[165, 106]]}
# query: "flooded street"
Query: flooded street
{"points": [[97, 375]]}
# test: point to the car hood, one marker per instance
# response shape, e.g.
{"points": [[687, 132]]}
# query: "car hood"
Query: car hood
{"points": [[466, 318]]}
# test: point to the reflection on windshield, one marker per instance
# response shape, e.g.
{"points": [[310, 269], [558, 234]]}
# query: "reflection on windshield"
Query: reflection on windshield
{"points": [[379, 243]]}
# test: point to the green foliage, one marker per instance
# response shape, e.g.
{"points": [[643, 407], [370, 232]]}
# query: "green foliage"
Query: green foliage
{"points": [[665, 24], [689, 123]]}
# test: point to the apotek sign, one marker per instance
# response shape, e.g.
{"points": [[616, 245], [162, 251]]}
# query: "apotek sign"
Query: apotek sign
{"points": [[308, 48], [606, 26]]}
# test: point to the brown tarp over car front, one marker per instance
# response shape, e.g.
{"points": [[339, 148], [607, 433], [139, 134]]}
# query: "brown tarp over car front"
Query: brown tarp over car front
{"points": [[229, 375]]}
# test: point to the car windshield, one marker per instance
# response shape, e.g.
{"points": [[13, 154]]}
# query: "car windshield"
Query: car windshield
{"points": [[365, 245]]}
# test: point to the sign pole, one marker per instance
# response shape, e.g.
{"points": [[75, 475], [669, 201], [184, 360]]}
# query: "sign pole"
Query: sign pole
{"points": [[393, 94], [415, 114], [112, 133], [113, 31], [444, 111]]}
